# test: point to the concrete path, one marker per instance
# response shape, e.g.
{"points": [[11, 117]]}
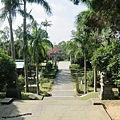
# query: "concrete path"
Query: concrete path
{"points": [[55, 109], [64, 65], [63, 88], [62, 85]]}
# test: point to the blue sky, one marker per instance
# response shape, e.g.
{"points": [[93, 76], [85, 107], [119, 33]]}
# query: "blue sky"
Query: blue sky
{"points": [[63, 18]]}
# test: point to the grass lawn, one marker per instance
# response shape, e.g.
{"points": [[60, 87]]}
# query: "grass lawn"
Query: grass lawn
{"points": [[89, 95], [90, 91], [46, 87]]}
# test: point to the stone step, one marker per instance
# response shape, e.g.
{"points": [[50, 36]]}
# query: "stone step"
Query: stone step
{"points": [[60, 98], [96, 101], [6, 100]]}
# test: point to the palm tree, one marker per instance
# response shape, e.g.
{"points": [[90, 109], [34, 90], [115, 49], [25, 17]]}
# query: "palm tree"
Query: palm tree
{"points": [[82, 36], [5, 34], [46, 24], [48, 11], [9, 11], [76, 2], [88, 22], [38, 44], [104, 14], [84, 49], [71, 47]]}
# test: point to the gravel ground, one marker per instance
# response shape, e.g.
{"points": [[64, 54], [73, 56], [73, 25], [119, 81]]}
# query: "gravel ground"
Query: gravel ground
{"points": [[113, 109]]}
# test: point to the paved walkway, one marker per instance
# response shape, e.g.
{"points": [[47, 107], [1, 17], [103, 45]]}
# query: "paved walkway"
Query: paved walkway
{"points": [[61, 106], [63, 86]]}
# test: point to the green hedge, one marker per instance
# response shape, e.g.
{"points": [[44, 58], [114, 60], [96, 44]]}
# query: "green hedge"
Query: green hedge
{"points": [[7, 69], [50, 74]]}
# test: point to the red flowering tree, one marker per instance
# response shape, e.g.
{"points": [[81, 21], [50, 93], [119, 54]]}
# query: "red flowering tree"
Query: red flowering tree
{"points": [[54, 53]]}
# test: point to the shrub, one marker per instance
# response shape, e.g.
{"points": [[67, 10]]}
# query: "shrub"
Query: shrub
{"points": [[21, 80], [7, 69], [50, 74], [74, 66], [106, 59], [49, 66], [90, 78], [26, 97]]}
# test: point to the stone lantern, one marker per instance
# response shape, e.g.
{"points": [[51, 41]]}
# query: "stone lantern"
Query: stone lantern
{"points": [[106, 88]]}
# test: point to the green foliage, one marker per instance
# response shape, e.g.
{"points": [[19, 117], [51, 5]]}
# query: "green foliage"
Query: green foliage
{"points": [[117, 79], [49, 74], [26, 96], [49, 66], [21, 80], [74, 66], [117, 82], [106, 59], [7, 69], [90, 78], [46, 86], [62, 46], [75, 71], [101, 57]]}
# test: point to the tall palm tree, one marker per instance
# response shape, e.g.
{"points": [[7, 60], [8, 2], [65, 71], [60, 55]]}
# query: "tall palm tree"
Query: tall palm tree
{"points": [[46, 24], [82, 36], [88, 22], [48, 11], [84, 49], [38, 44], [9, 11], [71, 47]]}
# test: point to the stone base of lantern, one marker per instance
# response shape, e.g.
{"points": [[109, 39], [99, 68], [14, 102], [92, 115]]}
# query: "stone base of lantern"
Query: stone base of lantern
{"points": [[106, 92]]}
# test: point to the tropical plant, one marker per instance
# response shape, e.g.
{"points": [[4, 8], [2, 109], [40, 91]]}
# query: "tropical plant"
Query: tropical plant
{"points": [[7, 70], [46, 24], [48, 11], [101, 24], [38, 43], [9, 11], [62, 46], [18, 49], [90, 78], [4, 40], [71, 47], [106, 59]]}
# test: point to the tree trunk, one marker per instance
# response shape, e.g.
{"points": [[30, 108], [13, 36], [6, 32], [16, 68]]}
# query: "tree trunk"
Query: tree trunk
{"points": [[11, 37], [95, 80], [37, 78], [25, 48], [119, 91], [85, 73], [70, 58]]}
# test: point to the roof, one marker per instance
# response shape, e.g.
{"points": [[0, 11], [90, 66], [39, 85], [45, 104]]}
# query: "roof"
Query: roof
{"points": [[19, 63]]}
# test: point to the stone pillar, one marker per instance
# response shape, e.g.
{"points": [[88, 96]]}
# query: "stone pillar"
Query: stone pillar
{"points": [[13, 90], [106, 89]]}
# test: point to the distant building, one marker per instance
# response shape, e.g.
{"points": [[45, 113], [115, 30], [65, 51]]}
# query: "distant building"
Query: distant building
{"points": [[20, 66]]}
